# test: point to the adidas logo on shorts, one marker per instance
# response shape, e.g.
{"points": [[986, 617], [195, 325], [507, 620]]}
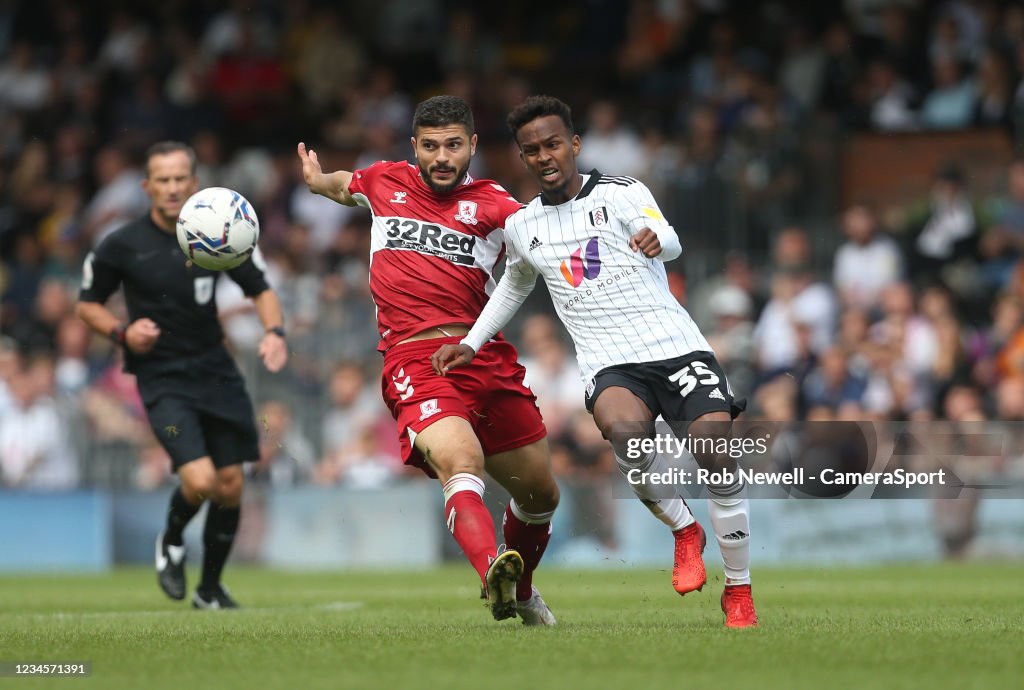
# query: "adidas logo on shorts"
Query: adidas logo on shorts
{"points": [[717, 394], [534, 243]]}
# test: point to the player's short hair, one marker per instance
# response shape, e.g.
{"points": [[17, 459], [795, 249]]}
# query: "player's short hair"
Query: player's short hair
{"points": [[162, 148], [539, 106], [441, 111]]}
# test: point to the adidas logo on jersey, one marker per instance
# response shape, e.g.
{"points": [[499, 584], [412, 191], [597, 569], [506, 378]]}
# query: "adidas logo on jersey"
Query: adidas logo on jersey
{"points": [[534, 243], [716, 394]]}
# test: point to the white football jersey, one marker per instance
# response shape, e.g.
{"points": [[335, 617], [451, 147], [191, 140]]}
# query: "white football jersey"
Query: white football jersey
{"points": [[614, 301]]}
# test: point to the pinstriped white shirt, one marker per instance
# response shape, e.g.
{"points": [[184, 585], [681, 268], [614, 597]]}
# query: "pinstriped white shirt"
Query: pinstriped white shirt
{"points": [[615, 303]]}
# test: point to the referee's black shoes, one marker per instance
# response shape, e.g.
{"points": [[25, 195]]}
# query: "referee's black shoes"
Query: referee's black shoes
{"points": [[216, 598], [170, 568]]}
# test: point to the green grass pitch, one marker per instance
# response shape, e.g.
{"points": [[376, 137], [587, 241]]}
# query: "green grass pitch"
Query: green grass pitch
{"points": [[949, 626]]}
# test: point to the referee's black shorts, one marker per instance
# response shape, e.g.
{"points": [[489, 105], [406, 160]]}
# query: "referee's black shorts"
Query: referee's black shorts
{"points": [[202, 412], [679, 389]]}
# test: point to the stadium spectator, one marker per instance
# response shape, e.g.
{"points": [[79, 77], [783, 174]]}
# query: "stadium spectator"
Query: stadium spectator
{"points": [[25, 85], [891, 99], [330, 62], [119, 197], [956, 515], [995, 96], [952, 101], [831, 384], [35, 452], [609, 144], [353, 408], [986, 343], [73, 370], [114, 411], [585, 466], [364, 463], [551, 372], [731, 335], [286, 455], [796, 298], [867, 262], [1003, 243], [943, 232]]}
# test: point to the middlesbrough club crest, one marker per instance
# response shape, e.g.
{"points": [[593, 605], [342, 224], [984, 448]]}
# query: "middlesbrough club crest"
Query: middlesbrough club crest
{"points": [[467, 213]]}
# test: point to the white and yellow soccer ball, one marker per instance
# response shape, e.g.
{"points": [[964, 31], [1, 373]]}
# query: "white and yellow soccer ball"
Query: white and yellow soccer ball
{"points": [[218, 228]]}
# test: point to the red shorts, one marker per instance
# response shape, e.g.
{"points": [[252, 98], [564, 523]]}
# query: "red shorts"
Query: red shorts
{"points": [[488, 393]]}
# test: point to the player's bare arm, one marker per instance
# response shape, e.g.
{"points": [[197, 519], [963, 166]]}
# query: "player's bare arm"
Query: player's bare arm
{"points": [[646, 241], [333, 185], [140, 336], [449, 357], [273, 350]]}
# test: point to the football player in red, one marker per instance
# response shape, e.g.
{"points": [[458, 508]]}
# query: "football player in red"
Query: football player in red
{"points": [[436, 237]]}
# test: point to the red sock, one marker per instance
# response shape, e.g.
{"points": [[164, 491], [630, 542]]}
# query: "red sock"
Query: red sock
{"points": [[529, 539], [468, 520]]}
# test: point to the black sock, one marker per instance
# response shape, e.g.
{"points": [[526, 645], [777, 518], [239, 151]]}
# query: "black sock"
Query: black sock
{"points": [[178, 516], [218, 538]]}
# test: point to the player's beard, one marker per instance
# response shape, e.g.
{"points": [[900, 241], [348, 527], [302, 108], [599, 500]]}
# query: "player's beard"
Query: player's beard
{"points": [[457, 179]]}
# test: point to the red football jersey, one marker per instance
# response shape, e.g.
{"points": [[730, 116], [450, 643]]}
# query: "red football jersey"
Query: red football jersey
{"points": [[431, 255]]}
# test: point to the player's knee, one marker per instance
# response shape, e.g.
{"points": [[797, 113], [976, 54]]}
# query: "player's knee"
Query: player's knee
{"points": [[548, 500], [715, 430], [467, 462], [538, 499], [614, 426], [229, 488], [625, 436], [198, 487]]}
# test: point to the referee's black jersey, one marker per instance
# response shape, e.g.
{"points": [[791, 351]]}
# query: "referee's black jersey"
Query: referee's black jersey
{"points": [[159, 285]]}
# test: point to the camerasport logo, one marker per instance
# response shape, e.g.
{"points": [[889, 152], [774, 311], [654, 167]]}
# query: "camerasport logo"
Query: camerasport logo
{"points": [[580, 268]]}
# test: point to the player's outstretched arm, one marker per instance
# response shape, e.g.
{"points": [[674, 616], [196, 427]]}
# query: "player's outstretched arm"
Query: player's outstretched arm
{"points": [[513, 289], [333, 185]]}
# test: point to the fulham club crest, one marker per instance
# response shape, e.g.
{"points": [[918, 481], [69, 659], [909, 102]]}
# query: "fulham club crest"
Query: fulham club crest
{"points": [[598, 217], [467, 213]]}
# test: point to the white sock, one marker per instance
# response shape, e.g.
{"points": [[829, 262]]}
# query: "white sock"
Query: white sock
{"points": [[730, 519], [672, 510]]}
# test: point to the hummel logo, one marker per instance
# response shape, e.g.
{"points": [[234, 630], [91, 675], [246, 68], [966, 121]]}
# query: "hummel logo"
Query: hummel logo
{"points": [[534, 243], [399, 197], [716, 394], [404, 384], [735, 536]]}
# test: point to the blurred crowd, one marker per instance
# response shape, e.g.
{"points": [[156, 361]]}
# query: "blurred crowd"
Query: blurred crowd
{"points": [[729, 111]]}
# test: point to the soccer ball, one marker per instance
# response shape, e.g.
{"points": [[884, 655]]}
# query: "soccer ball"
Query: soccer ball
{"points": [[217, 228]]}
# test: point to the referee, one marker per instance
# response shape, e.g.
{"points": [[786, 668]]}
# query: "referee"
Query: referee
{"points": [[194, 395]]}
